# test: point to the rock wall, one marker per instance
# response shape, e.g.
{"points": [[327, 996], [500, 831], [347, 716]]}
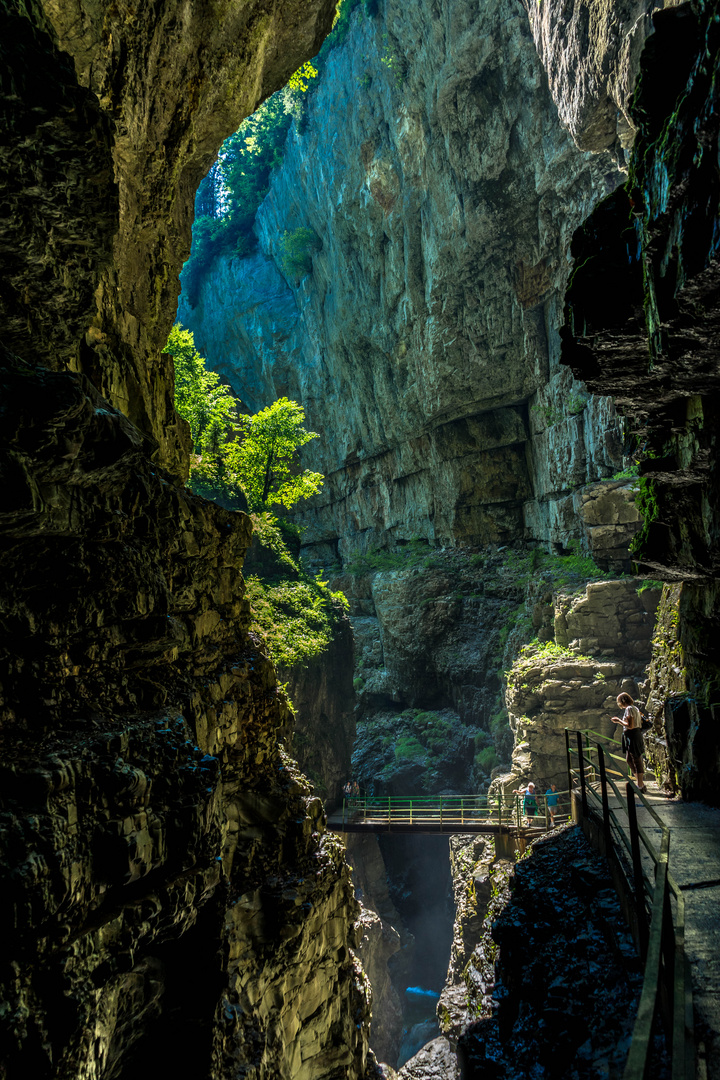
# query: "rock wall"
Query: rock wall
{"points": [[642, 325], [424, 344], [385, 945], [555, 984], [605, 638], [324, 701], [171, 900], [100, 199]]}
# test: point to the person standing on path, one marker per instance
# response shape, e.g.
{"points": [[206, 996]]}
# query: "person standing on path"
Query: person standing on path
{"points": [[551, 801], [632, 738]]}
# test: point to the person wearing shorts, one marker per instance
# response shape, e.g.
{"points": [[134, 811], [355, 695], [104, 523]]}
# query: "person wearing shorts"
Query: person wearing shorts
{"points": [[632, 738], [551, 801]]}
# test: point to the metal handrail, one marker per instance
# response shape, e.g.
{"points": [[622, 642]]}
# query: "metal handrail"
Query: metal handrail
{"points": [[503, 809], [662, 937]]}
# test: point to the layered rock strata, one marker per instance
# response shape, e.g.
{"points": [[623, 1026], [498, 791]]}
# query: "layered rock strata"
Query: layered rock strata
{"points": [[170, 897], [424, 343], [605, 634], [642, 312], [642, 325]]}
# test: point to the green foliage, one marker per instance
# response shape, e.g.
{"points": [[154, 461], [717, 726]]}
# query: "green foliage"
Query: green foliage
{"points": [[212, 413], [292, 612], [575, 404], [208, 407], [646, 502], [649, 583], [264, 459], [296, 251], [240, 457], [414, 555], [408, 747], [626, 474], [487, 759], [358, 683], [574, 569], [539, 653], [391, 61], [291, 616]]}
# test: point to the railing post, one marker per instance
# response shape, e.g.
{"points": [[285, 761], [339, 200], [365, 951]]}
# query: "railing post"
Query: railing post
{"points": [[411, 810], [637, 873], [567, 755], [441, 813], [343, 819], [581, 767], [462, 811], [605, 803]]}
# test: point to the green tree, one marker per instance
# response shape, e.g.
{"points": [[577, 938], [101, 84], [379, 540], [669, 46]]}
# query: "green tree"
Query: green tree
{"points": [[265, 460], [209, 407], [212, 413]]}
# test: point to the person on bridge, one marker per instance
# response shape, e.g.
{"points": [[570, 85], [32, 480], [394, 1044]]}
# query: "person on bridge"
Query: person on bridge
{"points": [[551, 801], [529, 801], [632, 738]]}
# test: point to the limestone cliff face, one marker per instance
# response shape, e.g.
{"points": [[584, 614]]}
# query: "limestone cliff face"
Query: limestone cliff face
{"points": [[126, 121], [170, 898], [606, 634], [642, 325], [424, 344], [324, 701]]}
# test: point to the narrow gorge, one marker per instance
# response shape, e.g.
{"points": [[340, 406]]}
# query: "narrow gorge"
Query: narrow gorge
{"points": [[480, 250]]}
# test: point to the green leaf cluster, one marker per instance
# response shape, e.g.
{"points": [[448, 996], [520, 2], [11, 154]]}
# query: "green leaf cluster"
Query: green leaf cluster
{"points": [[264, 458], [240, 461], [296, 251], [293, 613]]}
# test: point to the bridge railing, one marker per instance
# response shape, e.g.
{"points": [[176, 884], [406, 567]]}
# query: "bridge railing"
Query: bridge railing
{"points": [[452, 811], [657, 913]]}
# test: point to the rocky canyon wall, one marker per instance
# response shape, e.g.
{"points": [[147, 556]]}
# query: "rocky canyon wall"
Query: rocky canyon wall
{"points": [[171, 900], [641, 325], [424, 344]]}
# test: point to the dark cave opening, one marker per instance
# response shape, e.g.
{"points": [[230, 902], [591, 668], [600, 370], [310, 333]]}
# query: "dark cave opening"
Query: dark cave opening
{"points": [[173, 1032]]}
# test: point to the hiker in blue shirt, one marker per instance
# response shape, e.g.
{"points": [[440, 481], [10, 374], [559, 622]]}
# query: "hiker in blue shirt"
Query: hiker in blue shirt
{"points": [[551, 801]]}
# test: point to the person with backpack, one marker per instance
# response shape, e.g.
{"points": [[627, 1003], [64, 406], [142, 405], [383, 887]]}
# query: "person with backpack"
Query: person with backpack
{"points": [[632, 738]]}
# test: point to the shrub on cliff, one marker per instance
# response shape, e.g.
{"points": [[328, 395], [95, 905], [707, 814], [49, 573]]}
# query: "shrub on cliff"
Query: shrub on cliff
{"points": [[240, 461], [293, 612], [296, 251]]}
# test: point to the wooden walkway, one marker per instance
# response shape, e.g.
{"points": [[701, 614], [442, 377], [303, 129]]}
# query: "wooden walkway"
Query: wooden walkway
{"points": [[695, 860], [670, 849]]}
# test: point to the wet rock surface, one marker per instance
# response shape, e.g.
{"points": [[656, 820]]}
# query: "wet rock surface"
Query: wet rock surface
{"points": [[566, 979]]}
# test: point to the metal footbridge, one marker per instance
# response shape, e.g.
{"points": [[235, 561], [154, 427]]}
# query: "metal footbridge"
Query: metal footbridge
{"points": [[502, 814]]}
